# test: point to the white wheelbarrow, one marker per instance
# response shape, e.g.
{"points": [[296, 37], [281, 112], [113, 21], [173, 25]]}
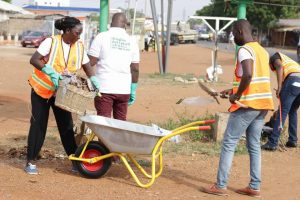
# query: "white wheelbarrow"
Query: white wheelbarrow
{"points": [[124, 139]]}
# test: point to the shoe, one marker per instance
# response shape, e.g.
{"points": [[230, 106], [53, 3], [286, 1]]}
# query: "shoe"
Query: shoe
{"points": [[268, 147], [290, 144], [74, 169], [31, 169], [249, 191], [214, 189]]}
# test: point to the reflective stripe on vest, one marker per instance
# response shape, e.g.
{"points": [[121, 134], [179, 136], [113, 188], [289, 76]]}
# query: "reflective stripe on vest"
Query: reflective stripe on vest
{"points": [[40, 82], [258, 94], [56, 58], [289, 65]]}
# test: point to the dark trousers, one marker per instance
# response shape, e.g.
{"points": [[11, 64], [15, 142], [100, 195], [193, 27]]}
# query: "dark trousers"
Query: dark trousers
{"points": [[112, 103], [39, 122], [290, 101]]}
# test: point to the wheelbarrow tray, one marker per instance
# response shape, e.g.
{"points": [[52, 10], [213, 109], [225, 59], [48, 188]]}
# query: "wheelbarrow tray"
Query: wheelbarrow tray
{"points": [[122, 136]]}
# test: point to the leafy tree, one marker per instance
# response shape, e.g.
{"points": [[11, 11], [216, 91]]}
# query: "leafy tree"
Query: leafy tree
{"points": [[260, 16], [8, 1]]}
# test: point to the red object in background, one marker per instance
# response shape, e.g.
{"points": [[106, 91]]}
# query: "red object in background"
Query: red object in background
{"points": [[34, 38]]}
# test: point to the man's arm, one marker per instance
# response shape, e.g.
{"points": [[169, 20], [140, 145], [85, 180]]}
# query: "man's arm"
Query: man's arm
{"points": [[134, 67], [247, 66], [93, 60], [279, 73], [87, 68]]}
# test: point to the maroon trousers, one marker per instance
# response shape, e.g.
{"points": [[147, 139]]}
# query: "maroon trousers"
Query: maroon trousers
{"points": [[112, 103]]}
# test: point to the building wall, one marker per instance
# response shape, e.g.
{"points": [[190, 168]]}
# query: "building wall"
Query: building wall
{"points": [[3, 16], [291, 38], [48, 12], [17, 26], [56, 3]]}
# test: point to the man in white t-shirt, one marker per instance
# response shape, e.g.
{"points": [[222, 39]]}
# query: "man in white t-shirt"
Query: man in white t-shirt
{"points": [[116, 56]]}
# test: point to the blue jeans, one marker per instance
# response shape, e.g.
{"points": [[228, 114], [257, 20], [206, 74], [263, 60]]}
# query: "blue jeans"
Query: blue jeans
{"points": [[290, 101], [247, 121]]}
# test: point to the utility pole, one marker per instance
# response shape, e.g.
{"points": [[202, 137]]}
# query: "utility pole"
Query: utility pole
{"points": [[169, 20], [128, 11], [145, 11], [157, 40], [163, 52], [134, 17]]}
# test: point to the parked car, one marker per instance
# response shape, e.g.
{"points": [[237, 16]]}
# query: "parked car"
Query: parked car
{"points": [[204, 35], [34, 38]]}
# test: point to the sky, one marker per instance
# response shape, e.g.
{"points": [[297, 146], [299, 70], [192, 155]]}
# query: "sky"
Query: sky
{"points": [[182, 9]]}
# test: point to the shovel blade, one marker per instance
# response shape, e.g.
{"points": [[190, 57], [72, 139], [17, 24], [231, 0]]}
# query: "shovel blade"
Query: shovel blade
{"points": [[195, 101]]}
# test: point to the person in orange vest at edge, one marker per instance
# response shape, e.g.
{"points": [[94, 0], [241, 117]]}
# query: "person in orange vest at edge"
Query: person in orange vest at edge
{"points": [[56, 56], [288, 93], [251, 87]]}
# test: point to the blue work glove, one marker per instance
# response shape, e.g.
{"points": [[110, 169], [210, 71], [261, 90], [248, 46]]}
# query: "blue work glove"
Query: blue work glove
{"points": [[55, 77], [95, 82], [132, 93]]}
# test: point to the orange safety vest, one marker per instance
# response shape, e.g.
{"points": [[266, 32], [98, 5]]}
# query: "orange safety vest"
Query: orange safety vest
{"points": [[258, 94], [41, 82], [289, 65]]}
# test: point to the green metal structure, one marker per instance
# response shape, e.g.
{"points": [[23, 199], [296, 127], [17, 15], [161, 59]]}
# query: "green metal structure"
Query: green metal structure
{"points": [[104, 14]]}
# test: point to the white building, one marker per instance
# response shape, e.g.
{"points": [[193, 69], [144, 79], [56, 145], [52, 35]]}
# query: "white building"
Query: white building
{"points": [[55, 3], [7, 9]]}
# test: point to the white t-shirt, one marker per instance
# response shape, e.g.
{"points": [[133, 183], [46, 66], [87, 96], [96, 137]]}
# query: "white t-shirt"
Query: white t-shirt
{"points": [[45, 47], [243, 54], [116, 50]]}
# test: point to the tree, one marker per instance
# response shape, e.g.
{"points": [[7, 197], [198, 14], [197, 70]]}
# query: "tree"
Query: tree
{"points": [[8, 1], [260, 16]]}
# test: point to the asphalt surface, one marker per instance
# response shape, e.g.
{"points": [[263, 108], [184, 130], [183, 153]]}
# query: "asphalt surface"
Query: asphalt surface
{"points": [[229, 47]]}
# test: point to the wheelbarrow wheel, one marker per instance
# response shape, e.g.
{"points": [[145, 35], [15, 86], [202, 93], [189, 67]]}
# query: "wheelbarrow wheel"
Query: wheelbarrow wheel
{"points": [[95, 170]]}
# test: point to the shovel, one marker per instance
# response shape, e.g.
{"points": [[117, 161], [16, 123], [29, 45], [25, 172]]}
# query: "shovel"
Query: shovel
{"points": [[195, 101], [214, 94]]}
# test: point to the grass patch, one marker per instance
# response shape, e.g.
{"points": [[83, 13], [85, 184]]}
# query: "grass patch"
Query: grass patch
{"points": [[171, 76], [195, 142], [207, 148]]}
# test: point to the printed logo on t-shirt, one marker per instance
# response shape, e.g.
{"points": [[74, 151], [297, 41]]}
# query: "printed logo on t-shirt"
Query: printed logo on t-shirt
{"points": [[119, 44]]}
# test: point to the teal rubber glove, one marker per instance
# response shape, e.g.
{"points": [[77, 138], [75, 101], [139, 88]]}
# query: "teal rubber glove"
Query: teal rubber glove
{"points": [[55, 77], [132, 94], [95, 82]]}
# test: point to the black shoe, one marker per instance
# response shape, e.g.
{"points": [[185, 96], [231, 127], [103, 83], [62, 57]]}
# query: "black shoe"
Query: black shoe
{"points": [[290, 144], [268, 147]]}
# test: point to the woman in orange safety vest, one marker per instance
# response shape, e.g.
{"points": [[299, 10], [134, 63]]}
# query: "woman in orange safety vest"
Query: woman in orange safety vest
{"points": [[57, 55]]}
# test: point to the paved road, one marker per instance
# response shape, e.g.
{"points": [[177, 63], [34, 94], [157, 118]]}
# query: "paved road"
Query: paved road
{"points": [[230, 48]]}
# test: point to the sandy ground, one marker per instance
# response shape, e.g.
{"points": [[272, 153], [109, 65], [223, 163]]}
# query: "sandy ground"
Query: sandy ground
{"points": [[183, 175]]}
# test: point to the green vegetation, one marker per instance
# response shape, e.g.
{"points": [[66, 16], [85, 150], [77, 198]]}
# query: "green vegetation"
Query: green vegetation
{"points": [[195, 142], [261, 16], [8, 1], [170, 76]]}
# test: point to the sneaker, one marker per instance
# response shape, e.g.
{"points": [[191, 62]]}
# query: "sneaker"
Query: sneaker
{"points": [[74, 169], [214, 189], [290, 144], [31, 169], [268, 147], [249, 191]]}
